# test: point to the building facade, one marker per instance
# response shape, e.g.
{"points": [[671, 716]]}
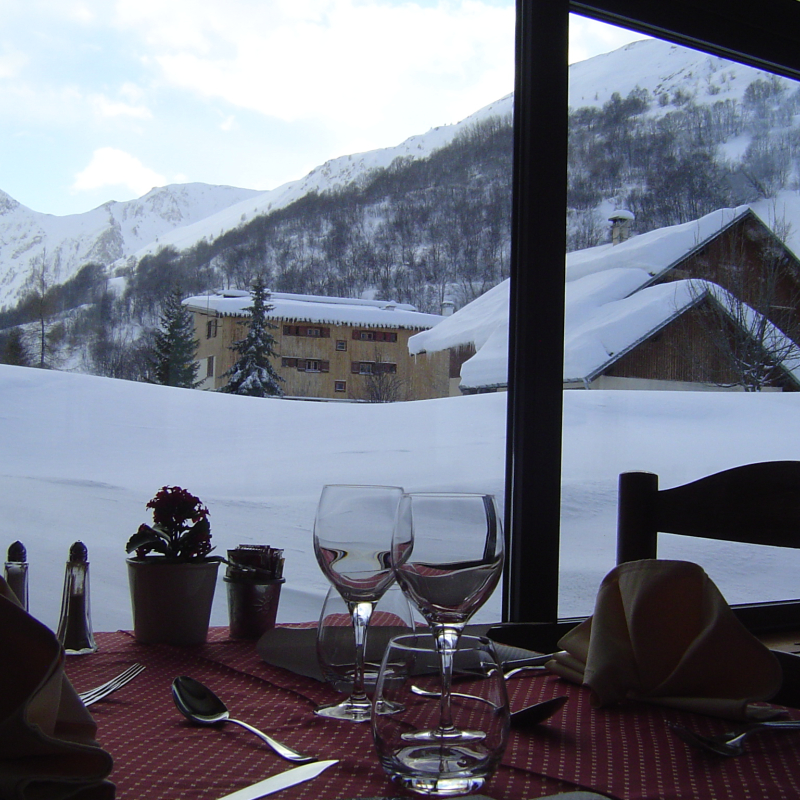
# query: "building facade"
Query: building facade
{"points": [[328, 348]]}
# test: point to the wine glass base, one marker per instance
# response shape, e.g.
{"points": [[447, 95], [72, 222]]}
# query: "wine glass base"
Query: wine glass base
{"points": [[346, 710], [356, 712]]}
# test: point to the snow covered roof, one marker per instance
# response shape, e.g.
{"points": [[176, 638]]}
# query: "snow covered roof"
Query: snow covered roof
{"points": [[321, 310], [610, 306]]}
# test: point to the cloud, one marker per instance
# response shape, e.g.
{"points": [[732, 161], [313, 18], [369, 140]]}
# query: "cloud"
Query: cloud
{"points": [[12, 63], [105, 107], [358, 64], [112, 167]]}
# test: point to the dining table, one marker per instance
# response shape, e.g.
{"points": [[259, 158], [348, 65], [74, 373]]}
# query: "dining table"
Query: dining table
{"points": [[626, 751]]}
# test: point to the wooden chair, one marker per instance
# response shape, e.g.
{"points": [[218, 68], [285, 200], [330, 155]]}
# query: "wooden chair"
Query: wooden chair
{"points": [[756, 503]]}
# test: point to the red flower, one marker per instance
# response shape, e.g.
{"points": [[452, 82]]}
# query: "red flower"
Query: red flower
{"points": [[180, 527]]}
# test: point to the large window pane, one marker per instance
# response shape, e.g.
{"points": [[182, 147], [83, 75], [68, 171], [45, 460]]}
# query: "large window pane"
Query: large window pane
{"points": [[83, 454], [687, 163]]}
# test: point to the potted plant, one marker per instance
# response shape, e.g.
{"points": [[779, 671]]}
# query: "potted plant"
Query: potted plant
{"points": [[172, 577]]}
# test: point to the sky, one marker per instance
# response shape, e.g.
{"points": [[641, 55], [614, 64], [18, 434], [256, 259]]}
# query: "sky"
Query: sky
{"points": [[104, 99]]}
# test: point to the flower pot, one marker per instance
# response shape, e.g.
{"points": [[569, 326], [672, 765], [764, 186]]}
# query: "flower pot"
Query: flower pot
{"points": [[171, 601]]}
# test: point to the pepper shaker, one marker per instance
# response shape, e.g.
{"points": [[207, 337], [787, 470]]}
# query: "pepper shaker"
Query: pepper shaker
{"points": [[16, 572], [75, 623]]}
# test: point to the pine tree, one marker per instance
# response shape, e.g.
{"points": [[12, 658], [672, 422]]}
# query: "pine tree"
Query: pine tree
{"points": [[175, 346], [14, 350], [253, 373]]}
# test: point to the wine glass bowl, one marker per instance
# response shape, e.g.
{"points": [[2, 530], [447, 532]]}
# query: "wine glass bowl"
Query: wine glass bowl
{"points": [[352, 542], [448, 553]]}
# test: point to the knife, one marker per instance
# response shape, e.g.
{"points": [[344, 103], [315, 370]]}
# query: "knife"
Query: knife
{"points": [[282, 780]]}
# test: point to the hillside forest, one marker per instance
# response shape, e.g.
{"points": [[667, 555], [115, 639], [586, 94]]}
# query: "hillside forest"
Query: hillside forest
{"points": [[426, 230]]}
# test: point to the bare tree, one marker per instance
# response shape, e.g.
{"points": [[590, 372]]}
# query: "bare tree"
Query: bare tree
{"points": [[382, 384], [38, 287], [751, 314]]}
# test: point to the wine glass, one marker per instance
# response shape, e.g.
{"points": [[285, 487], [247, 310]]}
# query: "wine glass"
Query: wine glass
{"points": [[352, 543], [447, 554]]}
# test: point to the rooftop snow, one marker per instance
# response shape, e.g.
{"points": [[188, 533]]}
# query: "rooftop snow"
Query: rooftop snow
{"points": [[607, 311], [321, 310]]}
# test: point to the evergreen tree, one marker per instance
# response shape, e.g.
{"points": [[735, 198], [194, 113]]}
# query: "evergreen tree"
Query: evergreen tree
{"points": [[175, 346], [14, 350], [253, 373]]}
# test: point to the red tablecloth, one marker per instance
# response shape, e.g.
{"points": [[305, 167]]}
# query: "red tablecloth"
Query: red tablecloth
{"points": [[625, 752]]}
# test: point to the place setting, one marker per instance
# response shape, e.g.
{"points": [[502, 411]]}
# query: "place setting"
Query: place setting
{"points": [[407, 572], [396, 691]]}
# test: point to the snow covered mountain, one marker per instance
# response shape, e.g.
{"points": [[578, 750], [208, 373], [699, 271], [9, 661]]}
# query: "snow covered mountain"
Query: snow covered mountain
{"points": [[664, 70], [104, 235], [182, 215]]}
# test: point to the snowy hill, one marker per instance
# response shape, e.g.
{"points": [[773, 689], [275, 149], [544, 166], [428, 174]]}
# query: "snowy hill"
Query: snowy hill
{"points": [[662, 69], [82, 455]]}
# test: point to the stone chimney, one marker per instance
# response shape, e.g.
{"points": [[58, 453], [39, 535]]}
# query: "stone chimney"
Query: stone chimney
{"points": [[448, 306], [620, 225]]}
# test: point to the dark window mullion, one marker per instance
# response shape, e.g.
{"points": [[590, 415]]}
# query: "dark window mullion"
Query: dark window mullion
{"points": [[533, 469]]}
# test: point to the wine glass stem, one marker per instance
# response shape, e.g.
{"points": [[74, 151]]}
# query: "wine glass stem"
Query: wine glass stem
{"points": [[360, 612], [446, 645]]}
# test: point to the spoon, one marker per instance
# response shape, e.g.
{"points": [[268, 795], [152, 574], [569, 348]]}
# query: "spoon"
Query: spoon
{"points": [[730, 744], [200, 705]]}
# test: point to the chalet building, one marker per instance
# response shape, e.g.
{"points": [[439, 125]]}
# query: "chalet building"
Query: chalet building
{"points": [[641, 311], [329, 348]]}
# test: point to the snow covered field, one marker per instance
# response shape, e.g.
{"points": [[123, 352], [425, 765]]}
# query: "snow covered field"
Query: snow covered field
{"points": [[80, 456]]}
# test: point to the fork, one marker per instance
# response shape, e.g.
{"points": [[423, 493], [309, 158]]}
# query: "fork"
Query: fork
{"points": [[730, 744], [99, 692]]}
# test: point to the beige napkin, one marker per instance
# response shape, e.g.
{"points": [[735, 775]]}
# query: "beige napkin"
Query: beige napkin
{"points": [[47, 746], [662, 632]]}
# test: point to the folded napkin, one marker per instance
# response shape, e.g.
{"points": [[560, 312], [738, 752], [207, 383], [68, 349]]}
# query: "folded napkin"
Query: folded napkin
{"points": [[662, 632], [47, 746]]}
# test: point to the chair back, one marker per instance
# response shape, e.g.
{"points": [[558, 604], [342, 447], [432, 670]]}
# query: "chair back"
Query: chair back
{"points": [[755, 503]]}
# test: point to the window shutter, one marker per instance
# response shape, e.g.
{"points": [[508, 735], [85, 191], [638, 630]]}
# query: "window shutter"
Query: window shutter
{"points": [[355, 367], [301, 364], [356, 333], [324, 366], [325, 333], [380, 336]]}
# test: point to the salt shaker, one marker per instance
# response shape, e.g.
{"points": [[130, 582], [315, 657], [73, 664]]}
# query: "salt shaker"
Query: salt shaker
{"points": [[75, 623], [16, 572]]}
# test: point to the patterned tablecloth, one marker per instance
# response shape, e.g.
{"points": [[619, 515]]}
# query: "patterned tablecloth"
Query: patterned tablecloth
{"points": [[625, 752]]}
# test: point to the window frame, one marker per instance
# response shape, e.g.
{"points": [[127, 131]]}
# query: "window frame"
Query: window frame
{"points": [[768, 38]]}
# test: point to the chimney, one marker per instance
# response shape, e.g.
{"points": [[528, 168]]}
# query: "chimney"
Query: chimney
{"points": [[448, 306], [620, 225]]}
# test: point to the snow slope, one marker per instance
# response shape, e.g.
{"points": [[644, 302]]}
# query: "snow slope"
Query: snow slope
{"points": [[82, 455]]}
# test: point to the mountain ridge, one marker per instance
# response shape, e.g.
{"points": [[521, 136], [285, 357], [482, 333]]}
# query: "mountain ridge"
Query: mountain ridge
{"points": [[180, 216]]}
